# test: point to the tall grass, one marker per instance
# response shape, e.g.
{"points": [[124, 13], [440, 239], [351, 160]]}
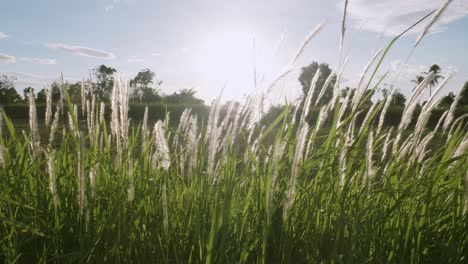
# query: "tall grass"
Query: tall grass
{"points": [[222, 193]]}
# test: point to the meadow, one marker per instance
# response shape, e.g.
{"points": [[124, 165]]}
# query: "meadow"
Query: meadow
{"points": [[227, 189]]}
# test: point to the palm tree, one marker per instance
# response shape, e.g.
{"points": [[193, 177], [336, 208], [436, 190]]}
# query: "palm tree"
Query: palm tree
{"points": [[435, 78], [418, 79]]}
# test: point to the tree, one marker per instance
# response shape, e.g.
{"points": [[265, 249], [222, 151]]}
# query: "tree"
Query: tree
{"points": [[8, 93], [184, 96], [447, 100], [435, 78], [419, 79], [142, 84], [398, 99], [105, 81], [26, 93], [306, 76], [464, 95], [367, 93], [41, 95]]}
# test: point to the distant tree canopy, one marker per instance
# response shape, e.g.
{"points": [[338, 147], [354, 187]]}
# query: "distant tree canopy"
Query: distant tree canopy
{"points": [[8, 93], [104, 81], [464, 95], [398, 99], [184, 96], [367, 94], [306, 76], [447, 100], [143, 89]]}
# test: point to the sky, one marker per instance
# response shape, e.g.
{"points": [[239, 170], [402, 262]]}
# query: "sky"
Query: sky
{"points": [[214, 45]]}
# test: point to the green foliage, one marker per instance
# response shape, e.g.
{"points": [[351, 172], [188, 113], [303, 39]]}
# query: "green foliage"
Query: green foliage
{"points": [[305, 78], [184, 96], [104, 81], [8, 93], [143, 90]]}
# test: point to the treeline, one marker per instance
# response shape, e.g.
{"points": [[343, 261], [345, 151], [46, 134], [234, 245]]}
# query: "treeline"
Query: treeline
{"points": [[144, 88], [144, 91]]}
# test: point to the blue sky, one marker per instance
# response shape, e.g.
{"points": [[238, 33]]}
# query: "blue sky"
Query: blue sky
{"points": [[208, 44]]}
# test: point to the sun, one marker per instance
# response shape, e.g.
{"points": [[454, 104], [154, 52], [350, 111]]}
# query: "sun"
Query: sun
{"points": [[227, 56]]}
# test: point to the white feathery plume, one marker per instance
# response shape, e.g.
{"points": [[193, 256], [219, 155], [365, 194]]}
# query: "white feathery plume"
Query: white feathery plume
{"points": [[342, 165], [123, 106], [465, 195], [426, 110], [434, 19], [343, 25], [83, 99], [325, 86], [420, 150], [386, 144], [441, 120], [48, 113], [308, 99], [454, 125], [52, 178], [361, 88], [336, 87], [162, 150], [54, 126], [412, 103], [192, 144], [298, 157], [88, 117], [102, 109], [182, 126], [370, 171], [462, 148], [343, 107], [366, 118], [451, 112], [280, 76], [306, 41], [388, 101], [33, 126], [144, 129]]}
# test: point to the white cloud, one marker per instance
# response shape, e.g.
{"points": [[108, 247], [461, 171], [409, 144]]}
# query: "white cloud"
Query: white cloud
{"points": [[155, 54], [45, 61], [35, 80], [111, 6], [134, 59], [108, 8], [82, 51], [4, 58], [185, 50], [3, 35], [392, 17]]}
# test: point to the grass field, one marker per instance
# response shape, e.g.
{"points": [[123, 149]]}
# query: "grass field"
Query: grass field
{"points": [[115, 191]]}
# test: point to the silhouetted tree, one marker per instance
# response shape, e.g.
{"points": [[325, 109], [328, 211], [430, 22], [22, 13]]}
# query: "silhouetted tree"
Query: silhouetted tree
{"points": [[105, 81], [143, 87], [435, 78], [305, 78], [464, 95], [26, 93], [447, 100], [184, 96], [8, 93]]}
